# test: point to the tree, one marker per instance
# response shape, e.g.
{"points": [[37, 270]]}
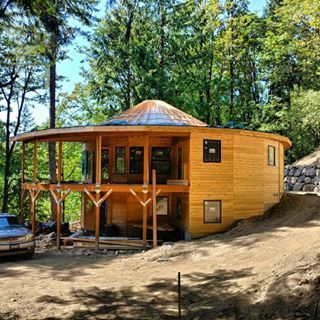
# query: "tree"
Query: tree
{"points": [[20, 68]]}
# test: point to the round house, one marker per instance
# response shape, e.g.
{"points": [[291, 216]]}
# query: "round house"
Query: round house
{"points": [[154, 171]]}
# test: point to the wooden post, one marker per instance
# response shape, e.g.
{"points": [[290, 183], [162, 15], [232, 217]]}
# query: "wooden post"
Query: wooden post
{"points": [[98, 182], [58, 218], [145, 186], [98, 159], [23, 162], [34, 180], [33, 214], [59, 162], [97, 223], [22, 181], [154, 208]]}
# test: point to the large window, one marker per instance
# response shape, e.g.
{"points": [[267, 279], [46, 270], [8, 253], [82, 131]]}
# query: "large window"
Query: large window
{"points": [[211, 151], [136, 160], [161, 160], [212, 211], [271, 156], [87, 165], [120, 161]]}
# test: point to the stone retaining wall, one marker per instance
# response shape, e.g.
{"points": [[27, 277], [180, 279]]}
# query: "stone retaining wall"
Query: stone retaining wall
{"points": [[299, 178]]}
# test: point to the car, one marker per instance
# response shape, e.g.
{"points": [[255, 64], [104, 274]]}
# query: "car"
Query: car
{"points": [[15, 238]]}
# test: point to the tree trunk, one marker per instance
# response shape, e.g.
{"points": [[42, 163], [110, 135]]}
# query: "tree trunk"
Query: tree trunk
{"points": [[231, 92], [52, 116]]}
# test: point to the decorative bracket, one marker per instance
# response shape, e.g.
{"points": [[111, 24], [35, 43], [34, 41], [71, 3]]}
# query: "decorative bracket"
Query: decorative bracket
{"points": [[101, 200], [144, 204], [60, 199]]}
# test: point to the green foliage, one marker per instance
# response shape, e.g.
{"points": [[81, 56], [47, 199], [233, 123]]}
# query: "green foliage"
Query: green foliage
{"points": [[213, 59]]}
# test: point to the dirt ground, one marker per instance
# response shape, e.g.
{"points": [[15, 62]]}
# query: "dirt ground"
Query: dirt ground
{"points": [[264, 268]]}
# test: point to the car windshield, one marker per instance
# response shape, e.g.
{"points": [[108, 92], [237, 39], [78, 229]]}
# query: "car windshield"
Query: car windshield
{"points": [[8, 221]]}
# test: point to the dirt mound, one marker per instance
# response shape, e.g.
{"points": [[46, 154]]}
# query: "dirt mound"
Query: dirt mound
{"points": [[293, 210], [312, 159]]}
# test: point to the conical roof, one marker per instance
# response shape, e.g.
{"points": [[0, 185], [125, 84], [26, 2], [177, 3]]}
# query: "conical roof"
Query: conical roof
{"points": [[154, 113]]}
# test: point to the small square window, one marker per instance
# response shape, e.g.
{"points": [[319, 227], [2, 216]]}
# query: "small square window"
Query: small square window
{"points": [[212, 211], [162, 206], [271, 156], [211, 151]]}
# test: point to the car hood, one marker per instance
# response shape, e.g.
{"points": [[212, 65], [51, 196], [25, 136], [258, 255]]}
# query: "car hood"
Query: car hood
{"points": [[6, 232]]}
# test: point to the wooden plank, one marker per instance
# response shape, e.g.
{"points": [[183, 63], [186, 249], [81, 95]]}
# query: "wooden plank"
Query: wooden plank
{"points": [[123, 188], [154, 205], [130, 243], [83, 132]]}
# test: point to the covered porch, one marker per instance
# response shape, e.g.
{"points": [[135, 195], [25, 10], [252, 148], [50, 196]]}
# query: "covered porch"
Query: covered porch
{"points": [[126, 176]]}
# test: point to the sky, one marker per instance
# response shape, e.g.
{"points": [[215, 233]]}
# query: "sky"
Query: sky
{"points": [[71, 68]]}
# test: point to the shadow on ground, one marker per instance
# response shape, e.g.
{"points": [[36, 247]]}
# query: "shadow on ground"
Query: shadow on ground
{"points": [[204, 296]]}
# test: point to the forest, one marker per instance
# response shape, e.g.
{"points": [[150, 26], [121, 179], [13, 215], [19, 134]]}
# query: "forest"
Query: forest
{"points": [[213, 59]]}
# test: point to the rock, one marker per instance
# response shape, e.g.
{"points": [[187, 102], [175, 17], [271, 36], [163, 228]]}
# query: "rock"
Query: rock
{"points": [[311, 172], [293, 180], [291, 172], [289, 187], [316, 180], [286, 179], [308, 180], [318, 172], [298, 172], [308, 187], [301, 179], [297, 187], [316, 189]]}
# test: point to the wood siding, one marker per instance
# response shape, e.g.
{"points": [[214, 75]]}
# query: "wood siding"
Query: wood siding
{"points": [[243, 181]]}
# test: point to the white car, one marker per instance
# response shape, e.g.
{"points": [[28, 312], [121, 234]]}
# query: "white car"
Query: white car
{"points": [[15, 239]]}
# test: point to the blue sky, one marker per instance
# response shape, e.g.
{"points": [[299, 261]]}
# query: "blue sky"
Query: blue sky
{"points": [[71, 67]]}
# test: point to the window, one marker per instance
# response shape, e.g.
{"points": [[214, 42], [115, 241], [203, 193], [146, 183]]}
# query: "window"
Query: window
{"points": [[105, 174], [212, 211], [87, 165], [161, 160], [211, 151], [271, 156], [120, 167], [136, 160], [180, 163], [162, 206]]}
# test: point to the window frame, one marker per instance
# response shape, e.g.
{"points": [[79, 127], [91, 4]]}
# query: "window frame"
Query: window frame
{"points": [[204, 151], [204, 212], [168, 172], [272, 163], [131, 161], [115, 161], [166, 198]]}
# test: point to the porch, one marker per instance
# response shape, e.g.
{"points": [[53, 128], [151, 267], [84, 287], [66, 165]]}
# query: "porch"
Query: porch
{"points": [[117, 186]]}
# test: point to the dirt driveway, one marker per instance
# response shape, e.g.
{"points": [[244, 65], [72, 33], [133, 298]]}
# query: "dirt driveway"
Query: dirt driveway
{"points": [[264, 269]]}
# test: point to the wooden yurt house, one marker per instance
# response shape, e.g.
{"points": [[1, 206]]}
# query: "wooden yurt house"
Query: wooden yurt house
{"points": [[205, 178]]}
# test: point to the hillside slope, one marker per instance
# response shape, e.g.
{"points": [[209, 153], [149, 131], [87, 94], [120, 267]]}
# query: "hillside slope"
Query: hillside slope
{"points": [[265, 268]]}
